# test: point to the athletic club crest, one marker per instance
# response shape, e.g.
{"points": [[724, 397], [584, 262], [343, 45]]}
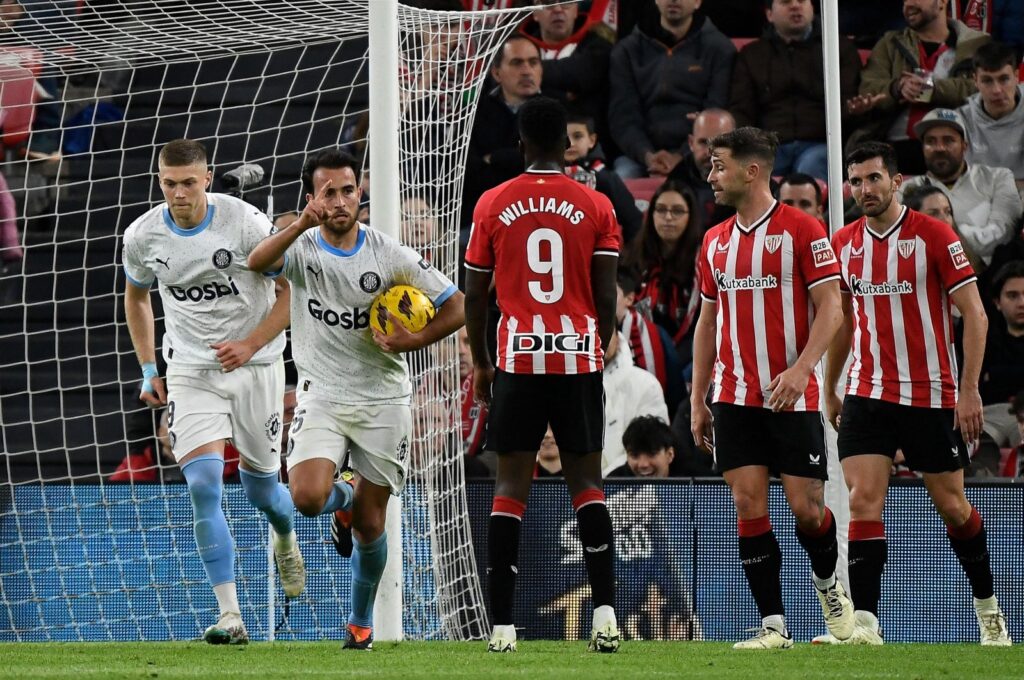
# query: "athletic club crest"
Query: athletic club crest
{"points": [[369, 282], [772, 243], [222, 259], [906, 248], [273, 426]]}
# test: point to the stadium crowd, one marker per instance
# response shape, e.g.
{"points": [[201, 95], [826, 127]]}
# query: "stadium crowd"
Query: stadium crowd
{"points": [[647, 84]]}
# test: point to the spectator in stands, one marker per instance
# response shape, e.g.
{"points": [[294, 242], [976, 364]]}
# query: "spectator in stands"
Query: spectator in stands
{"points": [[1002, 371], [1002, 19], [1013, 461], [585, 162], [418, 229], [803, 192], [575, 49], [494, 155], [694, 168], [650, 344], [664, 255], [661, 77], [285, 219], [549, 460], [994, 117], [866, 20], [650, 449], [10, 239], [778, 84], [911, 71], [630, 392], [984, 198], [474, 413], [934, 202]]}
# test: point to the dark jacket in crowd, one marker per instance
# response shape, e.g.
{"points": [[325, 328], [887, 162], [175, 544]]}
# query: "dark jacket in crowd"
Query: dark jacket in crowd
{"points": [[780, 86], [611, 185], [656, 82], [688, 173]]}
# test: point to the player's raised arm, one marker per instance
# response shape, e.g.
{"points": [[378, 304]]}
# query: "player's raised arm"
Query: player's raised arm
{"points": [[268, 255]]}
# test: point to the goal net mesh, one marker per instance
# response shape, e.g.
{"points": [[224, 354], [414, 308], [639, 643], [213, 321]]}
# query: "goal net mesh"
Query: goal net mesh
{"points": [[88, 95]]}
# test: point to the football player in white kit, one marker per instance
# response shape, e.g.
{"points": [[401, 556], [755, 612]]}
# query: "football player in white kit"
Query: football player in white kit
{"points": [[354, 390], [225, 375]]}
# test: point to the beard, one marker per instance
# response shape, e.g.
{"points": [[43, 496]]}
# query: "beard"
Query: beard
{"points": [[879, 208], [943, 165]]}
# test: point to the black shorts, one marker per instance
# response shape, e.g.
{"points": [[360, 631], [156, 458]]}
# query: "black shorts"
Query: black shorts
{"points": [[523, 405], [789, 443], [925, 435]]}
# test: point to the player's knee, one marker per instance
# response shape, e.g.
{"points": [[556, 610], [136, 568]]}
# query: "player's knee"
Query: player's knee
{"points": [[865, 504], [953, 508], [367, 527], [308, 501], [749, 504]]}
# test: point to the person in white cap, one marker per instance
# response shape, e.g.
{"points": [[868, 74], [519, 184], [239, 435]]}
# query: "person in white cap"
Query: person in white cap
{"points": [[985, 199]]}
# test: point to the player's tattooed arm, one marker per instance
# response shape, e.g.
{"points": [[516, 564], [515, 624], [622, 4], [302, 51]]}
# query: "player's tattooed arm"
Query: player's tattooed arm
{"points": [[268, 255], [477, 292], [234, 353]]}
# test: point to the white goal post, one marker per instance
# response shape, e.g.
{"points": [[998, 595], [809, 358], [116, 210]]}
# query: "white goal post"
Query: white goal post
{"points": [[260, 82]]}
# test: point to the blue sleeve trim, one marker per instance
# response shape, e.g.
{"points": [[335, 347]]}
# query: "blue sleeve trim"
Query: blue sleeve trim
{"points": [[275, 274], [136, 283], [443, 297]]}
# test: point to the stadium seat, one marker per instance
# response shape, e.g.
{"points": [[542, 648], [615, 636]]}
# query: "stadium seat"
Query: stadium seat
{"points": [[642, 189], [741, 42], [17, 104]]}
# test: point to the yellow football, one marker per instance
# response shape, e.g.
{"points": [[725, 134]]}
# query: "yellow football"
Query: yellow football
{"points": [[409, 305]]}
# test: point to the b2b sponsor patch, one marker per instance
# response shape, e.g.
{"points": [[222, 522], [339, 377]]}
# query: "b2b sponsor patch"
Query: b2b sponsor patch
{"points": [[957, 254], [822, 251]]}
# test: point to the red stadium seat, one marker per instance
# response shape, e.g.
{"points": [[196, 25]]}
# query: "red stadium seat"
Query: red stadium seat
{"points": [[740, 42], [17, 104], [642, 189]]}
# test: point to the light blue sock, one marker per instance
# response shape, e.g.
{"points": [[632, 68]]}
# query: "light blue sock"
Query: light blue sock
{"points": [[340, 498], [270, 497], [216, 549], [367, 567]]}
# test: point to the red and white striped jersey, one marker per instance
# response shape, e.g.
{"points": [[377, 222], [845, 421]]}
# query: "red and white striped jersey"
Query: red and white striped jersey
{"points": [[538, 233], [760, 276], [900, 283]]}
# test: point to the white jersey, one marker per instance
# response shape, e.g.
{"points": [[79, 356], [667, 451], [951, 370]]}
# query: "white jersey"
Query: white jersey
{"points": [[332, 290], [209, 293]]}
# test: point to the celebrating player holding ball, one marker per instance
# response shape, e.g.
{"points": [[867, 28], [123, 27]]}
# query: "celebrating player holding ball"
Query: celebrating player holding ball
{"points": [[354, 390]]}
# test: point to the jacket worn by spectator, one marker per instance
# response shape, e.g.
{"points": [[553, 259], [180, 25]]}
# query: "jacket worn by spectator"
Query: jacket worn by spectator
{"points": [[592, 171], [656, 82], [986, 206], [576, 69], [780, 86], [899, 51], [630, 391], [998, 143]]}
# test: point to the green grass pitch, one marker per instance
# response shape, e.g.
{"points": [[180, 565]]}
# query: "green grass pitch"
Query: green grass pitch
{"points": [[294, 661]]}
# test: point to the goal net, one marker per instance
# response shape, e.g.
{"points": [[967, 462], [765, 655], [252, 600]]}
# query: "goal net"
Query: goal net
{"points": [[95, 523]]}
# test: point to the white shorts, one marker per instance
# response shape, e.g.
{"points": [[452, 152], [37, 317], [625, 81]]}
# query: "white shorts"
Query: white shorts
{"points": [[206, 404], [376, 438]]}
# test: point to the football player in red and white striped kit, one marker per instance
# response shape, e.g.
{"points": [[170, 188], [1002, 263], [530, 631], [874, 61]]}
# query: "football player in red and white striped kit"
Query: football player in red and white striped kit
{"points": [[901, 269], [552, 247], [770, 306]]}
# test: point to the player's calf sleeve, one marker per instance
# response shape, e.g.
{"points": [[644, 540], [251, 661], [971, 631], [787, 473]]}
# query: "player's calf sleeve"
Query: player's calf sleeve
{"points": [[270, 497], [821, 546], [216, 549], [503, 556], [868, 551], [598, 539], [340, 498], [368, 560], [762, 561], [970, 543]]}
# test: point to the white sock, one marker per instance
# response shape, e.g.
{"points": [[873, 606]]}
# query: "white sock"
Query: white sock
{"points": [[603, 615], [507, 632], [776, 622], [824, 583], [283, 543], [227, 597], [989, 604], [866, 619]]}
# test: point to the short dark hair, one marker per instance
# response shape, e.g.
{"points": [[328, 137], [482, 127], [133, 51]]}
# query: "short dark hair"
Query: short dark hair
{"points": [[913, 197], [542, 123], [1014, 269], [627, 280], [993, 56], [647, 434], [181, 152], [800, 179], [868, 150], [333, 159], [499, 56], [1017, 405], [581, 118], [748, 143]]}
